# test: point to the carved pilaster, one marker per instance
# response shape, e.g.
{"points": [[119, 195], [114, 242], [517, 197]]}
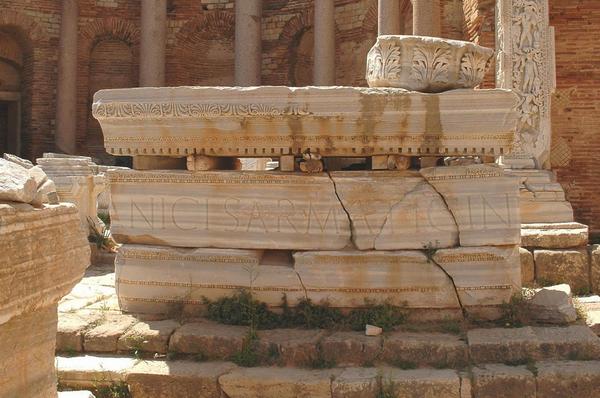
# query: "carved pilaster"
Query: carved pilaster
{"points": [[524, 64]]}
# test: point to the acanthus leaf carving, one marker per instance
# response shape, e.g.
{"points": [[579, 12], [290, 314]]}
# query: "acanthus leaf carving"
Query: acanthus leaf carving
{"points": [[384, 62], [430, 64]]}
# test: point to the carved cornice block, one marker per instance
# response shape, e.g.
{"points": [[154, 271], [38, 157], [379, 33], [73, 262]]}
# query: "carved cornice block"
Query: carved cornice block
{"points": [[331, 121], [426, 64]]}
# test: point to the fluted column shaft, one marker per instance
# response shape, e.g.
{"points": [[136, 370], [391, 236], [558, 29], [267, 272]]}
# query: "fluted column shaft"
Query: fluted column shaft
{"points": [[324, 67], [426, 18], [248, 42], [153, 43], [388, 17], [66, 92]]}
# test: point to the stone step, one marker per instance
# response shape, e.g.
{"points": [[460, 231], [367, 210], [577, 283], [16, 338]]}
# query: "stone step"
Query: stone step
{"points": [[303, 347], [182, 378]]}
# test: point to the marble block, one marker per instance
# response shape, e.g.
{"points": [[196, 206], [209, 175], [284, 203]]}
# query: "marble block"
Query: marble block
{"points": [[427, 64], [554, 235], [394, 210], [483, 201], [347, 278], [482, 275], [227, 209], [154, 279], [333, 121]]}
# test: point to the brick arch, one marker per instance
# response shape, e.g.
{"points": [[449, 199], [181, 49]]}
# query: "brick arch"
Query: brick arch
{"points": [[106, 30], [30, 32], [371, 18], [203, 53]]}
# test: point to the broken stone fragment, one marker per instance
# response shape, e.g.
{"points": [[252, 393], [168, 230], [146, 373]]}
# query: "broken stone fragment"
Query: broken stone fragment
{"points": [[553, 304], [16, 184], [38, 175], [20, 161]]}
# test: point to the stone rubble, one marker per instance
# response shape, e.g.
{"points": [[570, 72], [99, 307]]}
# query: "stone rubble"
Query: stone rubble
{"points": [[553, 304]]}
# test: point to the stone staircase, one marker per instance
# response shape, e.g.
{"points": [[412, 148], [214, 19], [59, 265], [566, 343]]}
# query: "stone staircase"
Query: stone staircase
{"points": [[195, 360]]}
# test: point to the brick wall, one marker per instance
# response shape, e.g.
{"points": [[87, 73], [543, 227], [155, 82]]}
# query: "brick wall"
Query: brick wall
{"points": [[576, 106]]}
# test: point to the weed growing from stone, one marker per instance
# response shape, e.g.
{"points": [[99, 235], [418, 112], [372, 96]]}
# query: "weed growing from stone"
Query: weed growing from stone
{"points": [[404, 365], [515, 312], [114, 390], [243, 309]]}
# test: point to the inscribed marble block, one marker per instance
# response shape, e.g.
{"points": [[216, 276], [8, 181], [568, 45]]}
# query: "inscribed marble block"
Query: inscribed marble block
{"points": [[227, 209], [393, 210], [484, 202], [348, 278]]}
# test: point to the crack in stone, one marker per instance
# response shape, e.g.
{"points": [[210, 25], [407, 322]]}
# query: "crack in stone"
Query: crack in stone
{"points": [[451, 280], [301, 283], [447, 207], [337, 195]]}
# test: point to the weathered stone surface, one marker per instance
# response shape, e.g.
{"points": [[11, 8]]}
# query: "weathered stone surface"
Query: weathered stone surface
{"points": [[71, 328], [350, 348], [394, 210], [347, 278], [159, 379], [421, 383], [44, 256], [502, 345], [356, 383], [535, 211], [16, 184], [404, 61], [527, 266], [595, 268], [553, 304], [27, 365], [105, 336], [482, 275], [483, 200], [339, 121], [212, 340], [276, 383], [568, 379], [145, 287], [92, 371], [501, 381], [294, 347], [228, 209], [572, 342], [563, 266], [425, 349], [150, 336], [554, 236]]}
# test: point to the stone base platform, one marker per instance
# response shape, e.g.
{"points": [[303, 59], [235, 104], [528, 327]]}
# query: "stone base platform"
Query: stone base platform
{"points": [[186, 379]]}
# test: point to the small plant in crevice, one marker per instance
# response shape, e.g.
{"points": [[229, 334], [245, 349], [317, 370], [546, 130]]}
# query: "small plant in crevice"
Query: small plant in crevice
{"points": [[430, 249], [582, 313], [452, 326], [248, 356], [112, 390], [515, 312], [403, 364], [387, 389], [320, 361], [385, 315]]}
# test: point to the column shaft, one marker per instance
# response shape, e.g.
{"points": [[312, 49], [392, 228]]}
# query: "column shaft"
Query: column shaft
{"points": [[324, 61], [426, 18], [248, 42], [66, 93], [388, 17], [153, 43]]}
